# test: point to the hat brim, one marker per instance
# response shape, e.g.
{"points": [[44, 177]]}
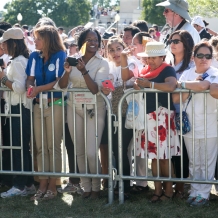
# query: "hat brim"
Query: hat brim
{"points": [[144, 54], [2, 40], [183, 13]]}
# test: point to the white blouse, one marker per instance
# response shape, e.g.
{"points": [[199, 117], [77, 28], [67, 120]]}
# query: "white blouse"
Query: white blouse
{"points": [[17, 75]]}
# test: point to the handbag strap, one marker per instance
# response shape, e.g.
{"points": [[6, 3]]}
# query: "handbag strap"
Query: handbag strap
{"points": [[188, 102]]}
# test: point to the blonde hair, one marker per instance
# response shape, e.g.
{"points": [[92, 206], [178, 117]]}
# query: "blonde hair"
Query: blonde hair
{"points": [[214, 42], [51, 38]]}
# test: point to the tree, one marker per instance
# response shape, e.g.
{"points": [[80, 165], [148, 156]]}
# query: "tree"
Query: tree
{"points": [[151, 13], [205, 8], [63, 12], [105, 3]]}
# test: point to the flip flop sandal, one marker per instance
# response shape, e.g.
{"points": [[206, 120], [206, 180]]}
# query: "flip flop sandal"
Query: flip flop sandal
{"points": [[167, 198], [38, 196], [157, 198], [49, 195]]}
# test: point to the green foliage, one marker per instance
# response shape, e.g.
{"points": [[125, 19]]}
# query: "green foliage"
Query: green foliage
{"points": [[151, 13], [205, 8], [63, 12], [154, 14], [105, 3]]}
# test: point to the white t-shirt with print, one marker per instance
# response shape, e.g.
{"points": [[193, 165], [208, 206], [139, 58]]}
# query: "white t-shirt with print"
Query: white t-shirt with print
{"points": [[115, 73], [199, 108], [138, 62]]}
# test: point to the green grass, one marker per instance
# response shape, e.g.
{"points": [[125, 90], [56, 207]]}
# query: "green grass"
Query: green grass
{"points": [[68, 206]]}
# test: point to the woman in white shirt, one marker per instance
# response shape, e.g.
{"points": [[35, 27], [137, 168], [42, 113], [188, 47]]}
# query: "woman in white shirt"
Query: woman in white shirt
{"points": [[88, 73], [198, 79], [115, 47], [181, 45], [13, 44]]}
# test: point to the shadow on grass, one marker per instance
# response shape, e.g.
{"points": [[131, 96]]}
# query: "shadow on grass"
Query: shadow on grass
{"points": [[68, 206]]}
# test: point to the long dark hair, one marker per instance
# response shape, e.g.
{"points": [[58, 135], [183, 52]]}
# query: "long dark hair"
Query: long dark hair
{"points": [[17, 47], [188, 44]]}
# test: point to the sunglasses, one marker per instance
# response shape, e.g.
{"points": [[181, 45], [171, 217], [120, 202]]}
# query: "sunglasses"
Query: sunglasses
{"points": [[174, 41], [166, 10], [201, 56]]}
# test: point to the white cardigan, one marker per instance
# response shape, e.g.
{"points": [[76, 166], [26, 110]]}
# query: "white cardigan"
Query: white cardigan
{"points": [[17, 75]]}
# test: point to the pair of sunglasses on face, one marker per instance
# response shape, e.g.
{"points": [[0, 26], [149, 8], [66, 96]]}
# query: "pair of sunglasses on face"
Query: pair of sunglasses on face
{"points": [[174, 41], [201, 56], [166, 10]]}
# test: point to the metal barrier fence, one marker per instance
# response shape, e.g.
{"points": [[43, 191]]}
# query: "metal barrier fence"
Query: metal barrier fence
{"points": [[118, 177], [122, 177], [86, 100]]}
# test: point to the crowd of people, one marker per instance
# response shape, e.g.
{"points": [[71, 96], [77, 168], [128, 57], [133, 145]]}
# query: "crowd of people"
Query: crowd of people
{"points": [[184, 55]]}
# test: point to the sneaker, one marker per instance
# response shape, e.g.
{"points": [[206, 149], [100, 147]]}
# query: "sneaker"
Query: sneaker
{"points": [[190, 199], [29, 190], [13, 192], [70, 188], [199, 201]]}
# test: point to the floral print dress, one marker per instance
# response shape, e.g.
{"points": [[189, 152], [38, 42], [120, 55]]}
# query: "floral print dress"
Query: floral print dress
{"points": [[158, 147]]}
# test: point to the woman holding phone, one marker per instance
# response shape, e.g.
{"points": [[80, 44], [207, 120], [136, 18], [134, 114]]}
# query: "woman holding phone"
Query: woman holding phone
{"points": [[44, 68], [88, 73], [115, 47]]}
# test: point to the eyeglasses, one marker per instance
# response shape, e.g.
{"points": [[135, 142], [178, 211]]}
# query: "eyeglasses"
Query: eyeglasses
{"points": [[166, 10], [201, 56], [174, 41]]}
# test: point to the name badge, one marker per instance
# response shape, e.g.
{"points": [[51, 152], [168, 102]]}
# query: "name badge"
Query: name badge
{"points": [[83, 98], [51, 67]]}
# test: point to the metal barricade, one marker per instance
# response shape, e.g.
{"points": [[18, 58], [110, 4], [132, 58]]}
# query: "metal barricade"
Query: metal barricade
{"points": [[170, 178], [118, 177], [44, 114]]}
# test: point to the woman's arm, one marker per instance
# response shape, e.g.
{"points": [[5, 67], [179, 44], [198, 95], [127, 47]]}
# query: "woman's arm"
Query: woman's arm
{"points": [[18, 74], [168, 86], [126, 74], [211, 32], [195, 85], [63, 82], [92, 85], [37, 89], [30, 81], [214, 90]]}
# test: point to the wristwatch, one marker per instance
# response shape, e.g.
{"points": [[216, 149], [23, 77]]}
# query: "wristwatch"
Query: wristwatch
{"points": [[4, 80]]}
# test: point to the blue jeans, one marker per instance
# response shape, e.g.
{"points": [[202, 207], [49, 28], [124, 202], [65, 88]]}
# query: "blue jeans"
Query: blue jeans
{"points": [[19, 181]]}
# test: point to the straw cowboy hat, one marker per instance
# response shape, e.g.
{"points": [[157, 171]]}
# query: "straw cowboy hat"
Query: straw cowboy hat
{"points": [[178, 6], [153, 49]]}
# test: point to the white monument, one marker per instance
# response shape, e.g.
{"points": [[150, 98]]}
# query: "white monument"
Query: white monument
{"points": [[130, 10]]}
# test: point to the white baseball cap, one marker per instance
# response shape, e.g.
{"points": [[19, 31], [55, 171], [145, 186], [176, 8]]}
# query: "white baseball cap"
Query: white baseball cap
{"points": [[199, 21], [12, 33]]}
